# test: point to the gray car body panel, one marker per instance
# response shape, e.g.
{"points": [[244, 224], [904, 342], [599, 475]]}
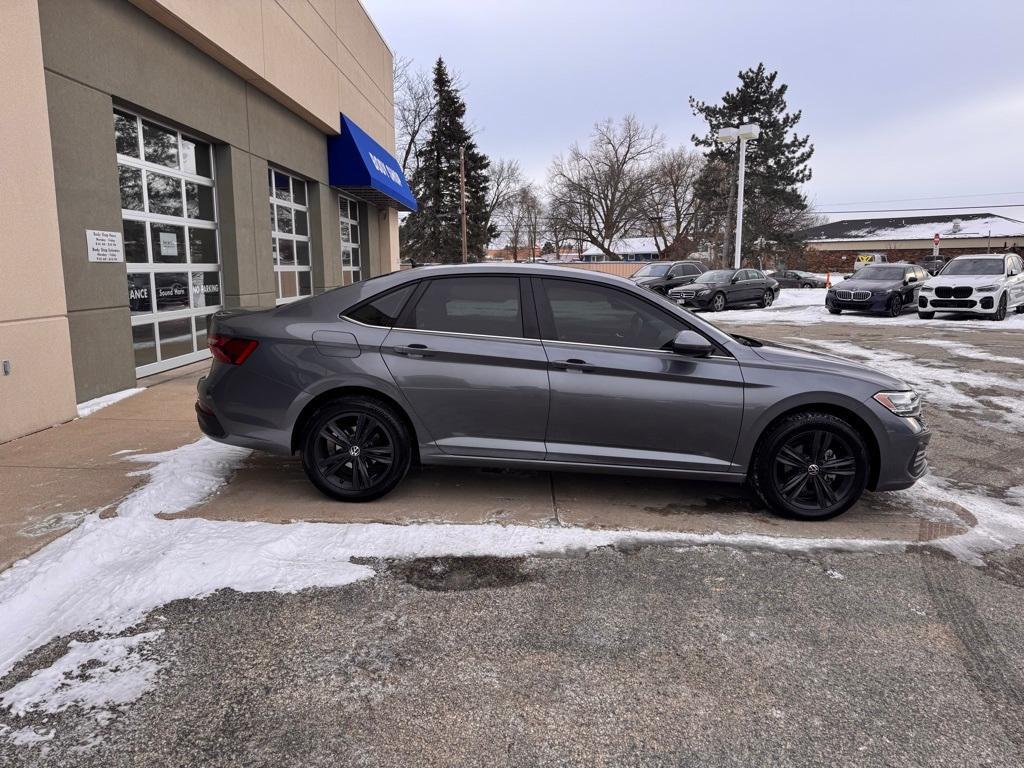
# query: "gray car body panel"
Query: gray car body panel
{"points": [[483, 400]]}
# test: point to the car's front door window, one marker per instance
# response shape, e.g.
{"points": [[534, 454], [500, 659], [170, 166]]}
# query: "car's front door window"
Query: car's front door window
{"points": [[595, 314], [484, 305]]}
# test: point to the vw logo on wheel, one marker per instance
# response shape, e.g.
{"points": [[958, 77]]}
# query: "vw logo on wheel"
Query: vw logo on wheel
{"points": [[812, 469], [354, 450]]}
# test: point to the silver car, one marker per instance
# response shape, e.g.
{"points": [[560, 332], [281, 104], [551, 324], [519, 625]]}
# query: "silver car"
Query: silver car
{"points": [[549, 368]]}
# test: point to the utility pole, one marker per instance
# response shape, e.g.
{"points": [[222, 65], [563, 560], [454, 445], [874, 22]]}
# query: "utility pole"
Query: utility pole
{"points": [[462, 199]]}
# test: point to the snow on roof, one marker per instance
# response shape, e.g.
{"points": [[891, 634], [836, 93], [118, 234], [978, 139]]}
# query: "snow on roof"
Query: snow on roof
{"points": [[629, 245], [949, 227]]}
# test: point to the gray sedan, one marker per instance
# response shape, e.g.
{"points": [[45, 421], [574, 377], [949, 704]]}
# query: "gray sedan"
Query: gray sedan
{"points": [[549, 368]]}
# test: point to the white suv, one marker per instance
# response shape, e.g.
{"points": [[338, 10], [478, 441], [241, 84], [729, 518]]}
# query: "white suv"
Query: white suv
{"points": [[987, 284]]}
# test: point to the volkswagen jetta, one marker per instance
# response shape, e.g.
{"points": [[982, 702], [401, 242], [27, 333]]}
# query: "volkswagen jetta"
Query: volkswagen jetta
{"points": [[549, 368]]}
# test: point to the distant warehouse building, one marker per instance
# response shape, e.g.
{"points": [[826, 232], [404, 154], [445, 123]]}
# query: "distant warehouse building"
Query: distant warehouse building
{"points": [[835, 246], [166, 158]]}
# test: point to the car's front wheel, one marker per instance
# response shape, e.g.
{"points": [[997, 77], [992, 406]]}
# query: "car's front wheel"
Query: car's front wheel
{"points": [[925, 315], [718, 302], [356, 449], [895, 306], [766, 299], [1000, 313], [810, 466]]}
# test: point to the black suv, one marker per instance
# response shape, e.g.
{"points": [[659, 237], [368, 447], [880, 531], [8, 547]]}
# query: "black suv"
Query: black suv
{"points": [[883, 288], [661, 276]]}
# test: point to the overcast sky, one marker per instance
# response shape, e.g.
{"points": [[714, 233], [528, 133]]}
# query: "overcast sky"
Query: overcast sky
{"points": [[903, 100]]}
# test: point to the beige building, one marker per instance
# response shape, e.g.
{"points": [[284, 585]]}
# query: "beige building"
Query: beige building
{"points": [[163, 159]]}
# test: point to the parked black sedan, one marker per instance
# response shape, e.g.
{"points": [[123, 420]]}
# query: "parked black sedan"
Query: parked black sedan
{"points": [[662, 276], [795, 278], [721, 288], [883, 288]]}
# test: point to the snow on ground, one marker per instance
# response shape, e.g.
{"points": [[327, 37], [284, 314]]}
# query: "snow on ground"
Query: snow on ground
{"points": [[962, 349], [939, 383], [806, 306], [106, 575], [98, 403]]}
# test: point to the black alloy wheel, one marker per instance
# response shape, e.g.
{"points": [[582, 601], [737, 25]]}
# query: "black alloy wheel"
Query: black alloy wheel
{"points": [[895, 306], [718, 302], [806, 285], [811, 466], [1000, 313], [767, 298], [356, 450]]}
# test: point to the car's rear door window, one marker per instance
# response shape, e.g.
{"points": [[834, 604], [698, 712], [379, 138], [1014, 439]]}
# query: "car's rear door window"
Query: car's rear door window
{"points": [[484, 305], [383, 310], [594, 314]]}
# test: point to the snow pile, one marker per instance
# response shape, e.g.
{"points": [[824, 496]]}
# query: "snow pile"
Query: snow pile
{"points": [[941, 384], [181, 478], [106, 673], [962, 349], [99, 403]]}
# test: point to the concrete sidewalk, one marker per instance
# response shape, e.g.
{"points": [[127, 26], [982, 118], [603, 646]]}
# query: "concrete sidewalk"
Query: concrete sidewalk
{"points": [[55, 477]]}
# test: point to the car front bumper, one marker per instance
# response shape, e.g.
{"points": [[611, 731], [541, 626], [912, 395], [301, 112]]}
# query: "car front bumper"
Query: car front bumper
{"points": [[976, 303], [903, 450], [874, 304]]}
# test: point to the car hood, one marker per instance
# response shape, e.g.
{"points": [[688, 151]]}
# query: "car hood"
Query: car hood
{"points": [[856, 284], [818, 361], [965, 280]]}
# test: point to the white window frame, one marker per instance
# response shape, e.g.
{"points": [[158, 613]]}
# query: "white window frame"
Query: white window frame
{"points": [[352, 271], [276, 236], [151, 268]]}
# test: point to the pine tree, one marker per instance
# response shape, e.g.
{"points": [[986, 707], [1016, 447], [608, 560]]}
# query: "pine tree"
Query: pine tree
{"points": [[433, 233], [774, 207]]}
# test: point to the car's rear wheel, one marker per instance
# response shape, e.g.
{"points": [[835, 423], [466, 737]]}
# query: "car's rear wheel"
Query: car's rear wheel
{"points": [[806, 285], [895, 306], [718, 302], [925, 315], [811, 466], [767, 298], [356, 449], [1000, 313]]}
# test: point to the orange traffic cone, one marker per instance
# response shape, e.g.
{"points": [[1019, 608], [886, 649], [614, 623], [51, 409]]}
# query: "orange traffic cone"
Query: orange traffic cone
{"points": [[828, 279]]}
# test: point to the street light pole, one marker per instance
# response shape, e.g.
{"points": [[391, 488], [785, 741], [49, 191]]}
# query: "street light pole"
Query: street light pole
{"points": [[743, 134], [462, 199]]}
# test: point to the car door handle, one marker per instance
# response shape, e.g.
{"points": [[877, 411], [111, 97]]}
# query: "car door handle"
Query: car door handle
{"points": [[413, 350], [572, 364]]}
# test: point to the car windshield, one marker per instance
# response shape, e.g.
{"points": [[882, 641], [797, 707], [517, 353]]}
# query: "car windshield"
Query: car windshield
{"points": [[652, 270], [880, 273], [973, 267], [716, 276]]}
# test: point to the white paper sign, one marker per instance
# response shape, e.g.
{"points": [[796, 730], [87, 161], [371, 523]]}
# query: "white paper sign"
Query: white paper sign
{"points": [[104, 246], [168, 244]]}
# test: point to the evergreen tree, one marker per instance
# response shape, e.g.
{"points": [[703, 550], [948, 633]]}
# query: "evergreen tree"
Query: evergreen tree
{"points": [[433, 233], [774, 207]]}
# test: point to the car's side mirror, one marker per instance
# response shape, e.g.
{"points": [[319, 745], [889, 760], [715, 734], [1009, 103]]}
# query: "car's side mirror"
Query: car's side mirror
{"points": [[692, 344], [735, 279], [911, 279]]}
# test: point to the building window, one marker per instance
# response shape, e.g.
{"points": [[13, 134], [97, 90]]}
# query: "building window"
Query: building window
{"points": [[289, 226], [351, 234], [171, 246]]}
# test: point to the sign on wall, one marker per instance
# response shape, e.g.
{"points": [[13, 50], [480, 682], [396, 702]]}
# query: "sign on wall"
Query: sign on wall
{"points": [[104, 246]]}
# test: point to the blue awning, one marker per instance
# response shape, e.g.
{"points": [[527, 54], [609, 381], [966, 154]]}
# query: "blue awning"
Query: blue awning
{"points": [[359, 165]]}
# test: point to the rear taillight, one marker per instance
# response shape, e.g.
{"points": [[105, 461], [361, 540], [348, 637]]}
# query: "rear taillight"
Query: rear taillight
{"points": [[229, 349]]}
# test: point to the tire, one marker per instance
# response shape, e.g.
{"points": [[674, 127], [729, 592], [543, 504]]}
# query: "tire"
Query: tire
{"points": [[718, 302], [767, 299], [356, 449], [895, 306], [1019, 309], [1000, 313], [834, 311], [789, 474], [925, 315], [806, 285]]}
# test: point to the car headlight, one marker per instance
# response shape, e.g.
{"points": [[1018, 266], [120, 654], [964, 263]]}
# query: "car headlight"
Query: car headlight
{"points": [[886, 292], [987, 288], [904, 403], [704, 292], [927, 289]]}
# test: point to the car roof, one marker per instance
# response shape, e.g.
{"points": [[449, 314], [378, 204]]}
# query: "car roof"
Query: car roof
{"points": [[969, 256], [519, 268]]}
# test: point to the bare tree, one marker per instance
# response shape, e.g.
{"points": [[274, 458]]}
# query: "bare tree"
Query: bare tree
{"points": [[533, 218], [505, 180], [558, 225], [670, 197], [513, 214], [414, 111], [604, 185]]}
